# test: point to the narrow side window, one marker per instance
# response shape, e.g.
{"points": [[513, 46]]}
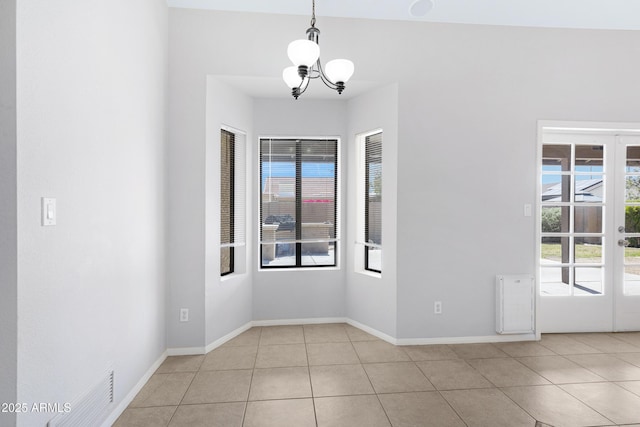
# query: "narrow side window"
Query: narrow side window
{"points": [[373, 202], [227, 217]]}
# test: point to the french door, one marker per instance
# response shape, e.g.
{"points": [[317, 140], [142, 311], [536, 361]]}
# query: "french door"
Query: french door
{"points": [[589, 228]]}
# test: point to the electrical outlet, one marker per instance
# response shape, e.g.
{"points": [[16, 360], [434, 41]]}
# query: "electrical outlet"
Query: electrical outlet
{"points": [[184, 314], [437, 307]]}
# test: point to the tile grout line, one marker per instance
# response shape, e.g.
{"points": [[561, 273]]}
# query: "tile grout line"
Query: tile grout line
{"points": [[313, 400], [255, 360], [185, 392], [375, 392], [587, 405]]}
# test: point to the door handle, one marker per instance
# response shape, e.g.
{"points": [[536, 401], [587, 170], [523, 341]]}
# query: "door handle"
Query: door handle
{"points": [[621, 229], [623, 242]]}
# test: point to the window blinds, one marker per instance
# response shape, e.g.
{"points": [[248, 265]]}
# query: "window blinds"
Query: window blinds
{"points": [[373, 201], [298, 201], [232, 190]]}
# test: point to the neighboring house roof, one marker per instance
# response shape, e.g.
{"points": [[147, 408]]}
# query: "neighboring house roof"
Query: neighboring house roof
{"points": [[583, 192], [313, 189]]}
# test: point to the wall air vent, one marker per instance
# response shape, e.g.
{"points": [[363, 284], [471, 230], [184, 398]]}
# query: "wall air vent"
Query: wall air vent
{"points": [[91, 409]]}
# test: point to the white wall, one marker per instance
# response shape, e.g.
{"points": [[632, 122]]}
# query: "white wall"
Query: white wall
{"points": [[186, 194], [8, 210], [91, 130], [301, 294], [469, 98], [467, 156], [228, 299], [198, 106], [372, 299]]}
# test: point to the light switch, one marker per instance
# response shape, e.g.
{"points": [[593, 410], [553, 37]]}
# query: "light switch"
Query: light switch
{"points": [[527, 210], [48, 211]]}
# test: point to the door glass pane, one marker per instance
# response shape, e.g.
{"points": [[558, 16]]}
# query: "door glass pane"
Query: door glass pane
{"points": [[632, 188], [555, 188], [551, 250], [553, 283], [556, 157], [632, 280], [589, 189], [632, 252], [633, 159], [555, 219], [589, 158], [632, 219], [588, 250], [588, 219], [588, 281]]}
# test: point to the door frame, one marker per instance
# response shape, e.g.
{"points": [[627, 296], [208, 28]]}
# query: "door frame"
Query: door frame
{"points": [[548, 306], [626, 307]]}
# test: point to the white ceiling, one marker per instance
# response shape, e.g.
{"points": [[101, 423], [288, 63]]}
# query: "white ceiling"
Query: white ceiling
{"points": [[595, 14]]}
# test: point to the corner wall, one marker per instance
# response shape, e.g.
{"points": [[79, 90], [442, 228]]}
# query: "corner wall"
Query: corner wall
{"points": [[371, 300], [228, 299], [301, 294], [8, 211], [198, 105], [91, 133]]}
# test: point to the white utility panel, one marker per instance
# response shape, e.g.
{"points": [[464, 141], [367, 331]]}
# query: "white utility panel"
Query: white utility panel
{"points": [[515, 304]]}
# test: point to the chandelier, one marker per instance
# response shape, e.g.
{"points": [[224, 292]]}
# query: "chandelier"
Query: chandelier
{"points": [[305, 55]]}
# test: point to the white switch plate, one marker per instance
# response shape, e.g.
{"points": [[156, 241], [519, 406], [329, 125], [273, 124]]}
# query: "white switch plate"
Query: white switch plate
{"points": [[48, 211], [184, 314], [527, 209]]}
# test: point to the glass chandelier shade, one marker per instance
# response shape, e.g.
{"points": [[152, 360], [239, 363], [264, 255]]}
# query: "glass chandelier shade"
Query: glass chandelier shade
{"points": [[291, 77], [305, 56], [339, 70], [303, 52]]}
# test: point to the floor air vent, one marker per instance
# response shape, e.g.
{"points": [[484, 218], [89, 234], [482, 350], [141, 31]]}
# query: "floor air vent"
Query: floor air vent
{"points": [[89, 410]]}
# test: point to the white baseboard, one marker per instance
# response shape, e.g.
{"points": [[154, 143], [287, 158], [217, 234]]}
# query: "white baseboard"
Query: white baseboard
{"points": [[192, 351], [310, 321], [372, 331], [467, 340], [111, 419], [185, 351], [231, 335]]}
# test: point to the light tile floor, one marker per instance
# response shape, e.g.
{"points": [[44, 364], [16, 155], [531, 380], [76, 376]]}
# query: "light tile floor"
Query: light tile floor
{"points": [[337, 375]]}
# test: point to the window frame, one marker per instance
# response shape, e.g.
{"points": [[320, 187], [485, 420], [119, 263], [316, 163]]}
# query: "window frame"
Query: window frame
{"points": [[299, 242], [232, 181], [367, 195]]}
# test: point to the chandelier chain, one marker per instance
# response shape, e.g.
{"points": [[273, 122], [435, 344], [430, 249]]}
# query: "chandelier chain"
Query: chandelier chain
{"points": [[313, 13]]}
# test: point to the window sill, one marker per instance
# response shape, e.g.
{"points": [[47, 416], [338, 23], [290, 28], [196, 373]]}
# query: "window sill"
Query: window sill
{"points": [[232, 276], [298, 269], [370, 274]]}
